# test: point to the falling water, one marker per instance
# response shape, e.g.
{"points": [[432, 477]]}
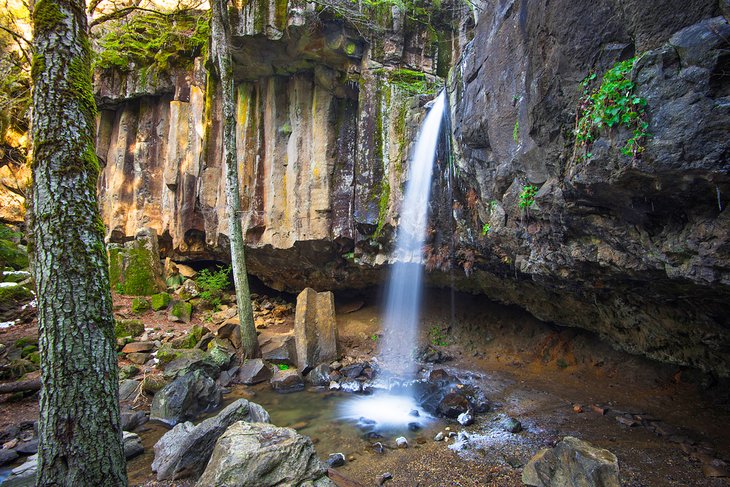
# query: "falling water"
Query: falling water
{"points": [[387, 410], [405, 286]]}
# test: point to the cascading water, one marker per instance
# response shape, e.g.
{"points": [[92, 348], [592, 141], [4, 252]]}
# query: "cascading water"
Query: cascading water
{"points": [[403, 299], [405, 287]]}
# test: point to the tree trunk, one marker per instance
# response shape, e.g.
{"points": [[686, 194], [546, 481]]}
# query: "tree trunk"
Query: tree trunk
{"points": [[79, 428], [222, 56]]}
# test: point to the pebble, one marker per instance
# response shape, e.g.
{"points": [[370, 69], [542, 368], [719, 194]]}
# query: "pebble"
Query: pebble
{"points": [[378, 447], [439, 436], [401, 442], [465, 419], [335, 460], [384, 478]]}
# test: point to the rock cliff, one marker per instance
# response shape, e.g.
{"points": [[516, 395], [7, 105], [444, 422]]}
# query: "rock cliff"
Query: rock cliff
{"points": [[634, 248]]}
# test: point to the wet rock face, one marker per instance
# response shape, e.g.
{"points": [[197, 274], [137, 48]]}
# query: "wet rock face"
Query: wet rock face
{"points": [[635, 250]]}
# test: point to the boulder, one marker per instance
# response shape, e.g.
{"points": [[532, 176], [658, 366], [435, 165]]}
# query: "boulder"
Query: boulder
{"points": [[185, 398], [160, 301], [180, 311], [230, 329], [138, 358], [315, 329], [254, 371], [131, 420], [184, 451], [319, 376], [7, 456], [137, 347], [128, 390], [286, 381], [134, 268], [280, 349], [572, 463], [453, 404], [132, 444], [263, 455], [189, 360]]}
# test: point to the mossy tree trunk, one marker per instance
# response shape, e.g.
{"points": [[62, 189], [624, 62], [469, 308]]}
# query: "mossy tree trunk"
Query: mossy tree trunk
{"points": [[222, 57], [79, 427]]}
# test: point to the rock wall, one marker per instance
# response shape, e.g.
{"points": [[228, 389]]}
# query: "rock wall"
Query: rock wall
{"points": [[635, 249], [325, 120]]}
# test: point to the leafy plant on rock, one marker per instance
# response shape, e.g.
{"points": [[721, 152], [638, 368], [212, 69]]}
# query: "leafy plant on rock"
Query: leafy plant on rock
{"points": [[613, 103], [527, 196], [212, 283]]}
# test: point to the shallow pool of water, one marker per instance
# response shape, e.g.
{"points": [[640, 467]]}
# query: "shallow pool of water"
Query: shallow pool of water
{"points": [[331, 419]]}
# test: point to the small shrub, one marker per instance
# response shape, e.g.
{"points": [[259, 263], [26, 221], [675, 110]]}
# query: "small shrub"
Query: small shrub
{"points": [[438, 337], [527, 196], [485, 228], [610, 105], [212, 284]]}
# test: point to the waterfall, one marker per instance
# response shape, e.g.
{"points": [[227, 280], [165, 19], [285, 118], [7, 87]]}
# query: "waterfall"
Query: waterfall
{"points": [[405, 286], [398, 409]]}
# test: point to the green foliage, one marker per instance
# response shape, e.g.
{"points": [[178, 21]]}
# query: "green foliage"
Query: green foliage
{"points": [[282, 366], [154, 42], [438, 337], [212, 284], [412, 82], [140, 305], [128, 328], [14, 296], [25, 341], [374, 337], [485, 228], [527, 196], [160, 301], [516, 132], [612, 104]]}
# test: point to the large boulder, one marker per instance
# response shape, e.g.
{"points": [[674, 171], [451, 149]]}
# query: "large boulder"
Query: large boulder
{"points": [[287, 380], [315, 329], [23, 475], [184, 451], [134, 267], [263, 455], [189, 360], [572, 463], [185, 398]]}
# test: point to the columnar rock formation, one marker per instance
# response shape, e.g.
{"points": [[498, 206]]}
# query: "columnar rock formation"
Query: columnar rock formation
{"points": [[635, 249]]}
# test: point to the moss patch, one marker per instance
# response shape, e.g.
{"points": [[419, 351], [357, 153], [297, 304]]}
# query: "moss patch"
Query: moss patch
{"points": [[181, 311], [128, 328], [140, 305], [160, 301], [192, 338], [14, 296]]}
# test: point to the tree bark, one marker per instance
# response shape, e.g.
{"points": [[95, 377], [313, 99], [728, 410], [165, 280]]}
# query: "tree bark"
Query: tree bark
{"points": [[79, 428], [222, 56]]}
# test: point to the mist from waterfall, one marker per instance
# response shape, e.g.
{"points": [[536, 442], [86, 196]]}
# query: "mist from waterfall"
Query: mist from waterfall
{"points": [[405, 286]]}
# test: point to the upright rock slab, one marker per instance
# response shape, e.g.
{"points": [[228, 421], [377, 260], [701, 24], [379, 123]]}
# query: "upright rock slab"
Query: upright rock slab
{"points": [[315, 329], [263, 455], [572, 463], [134, 268], [184, 451]]}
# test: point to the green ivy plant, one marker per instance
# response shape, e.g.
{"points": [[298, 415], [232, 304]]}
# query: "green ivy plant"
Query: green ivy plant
{"points": [[485, 228], [527, 196], [612, 104]]}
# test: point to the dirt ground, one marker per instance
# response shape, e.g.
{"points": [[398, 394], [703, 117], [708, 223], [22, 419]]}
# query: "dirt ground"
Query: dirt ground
{"points": [[548, 378]]}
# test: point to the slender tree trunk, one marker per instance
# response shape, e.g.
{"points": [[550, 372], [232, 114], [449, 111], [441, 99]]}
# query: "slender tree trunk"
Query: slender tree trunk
{"points": [[222, 56], [79, 428]]}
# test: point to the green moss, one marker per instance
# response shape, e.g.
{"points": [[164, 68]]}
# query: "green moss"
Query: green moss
{"points": [[155, 42], [14, 296], [115, 267], [193, 337], [126, 328], [160, 301], [382, 207], [153, 383], [11, 254], [181, 310], [166, 354], [37, 65], [350, 48], [46, 16], [140, 278], [35, 358], [25, 341], [27, 350], [128, 371], [140, 305], [281, 16]]}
